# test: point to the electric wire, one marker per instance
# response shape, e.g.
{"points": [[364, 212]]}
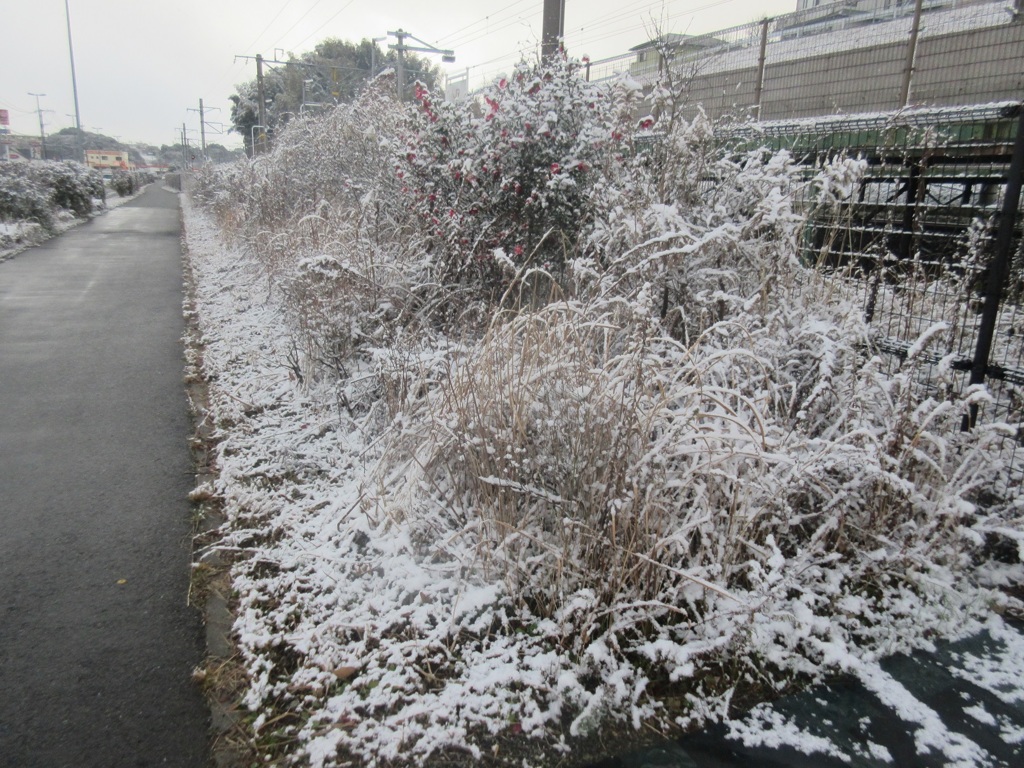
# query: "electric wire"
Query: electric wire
{"points": [[336, 15], [456, 37], [269, 24], [298, 21]]}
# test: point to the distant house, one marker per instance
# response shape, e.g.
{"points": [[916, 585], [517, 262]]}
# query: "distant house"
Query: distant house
{"points": [[109, 160]]}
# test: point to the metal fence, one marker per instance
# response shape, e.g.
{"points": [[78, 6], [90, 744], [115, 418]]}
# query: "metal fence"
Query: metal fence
{"points": [[931, 102], [837, 58], [930, 235]]}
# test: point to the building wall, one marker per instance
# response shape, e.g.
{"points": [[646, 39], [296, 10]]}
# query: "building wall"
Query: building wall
{"points": [[103, 159]]}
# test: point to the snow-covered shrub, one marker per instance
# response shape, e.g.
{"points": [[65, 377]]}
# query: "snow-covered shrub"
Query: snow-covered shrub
{"points": [[74, 186], [22, 198], [510, 184], [127, 183], [676, 480], [36, 191]]}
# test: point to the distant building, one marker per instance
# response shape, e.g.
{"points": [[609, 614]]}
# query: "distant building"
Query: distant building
{"points": [[650, 56], [16, 147], [109, 160]]}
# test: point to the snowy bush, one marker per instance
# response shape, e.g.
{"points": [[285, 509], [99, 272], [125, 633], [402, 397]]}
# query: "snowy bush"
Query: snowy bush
{"points": [[513, 187], [610, 452], [37, 191], [127, 183]]}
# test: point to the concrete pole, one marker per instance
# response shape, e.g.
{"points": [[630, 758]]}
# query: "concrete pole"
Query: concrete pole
{"points": [[261, 95], [42, 134], [908, 68], [400, 65], [759, 85], [202, 129], [553, 28]]}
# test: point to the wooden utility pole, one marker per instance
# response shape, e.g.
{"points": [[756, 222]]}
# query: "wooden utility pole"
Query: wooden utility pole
{"points": [[553, 29]]}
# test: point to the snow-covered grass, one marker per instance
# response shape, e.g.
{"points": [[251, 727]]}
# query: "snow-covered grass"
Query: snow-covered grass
{"points": [[501, 473]]}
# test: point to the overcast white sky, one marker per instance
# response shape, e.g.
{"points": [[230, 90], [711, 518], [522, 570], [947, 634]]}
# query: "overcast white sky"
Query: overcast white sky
{"points": [[141, 64]]}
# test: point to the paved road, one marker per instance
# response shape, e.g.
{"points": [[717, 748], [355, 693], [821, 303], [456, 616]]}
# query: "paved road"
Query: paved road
{"points": [[96, 641]]}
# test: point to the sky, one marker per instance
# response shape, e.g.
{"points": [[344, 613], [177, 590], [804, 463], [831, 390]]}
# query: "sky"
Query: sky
{"points": [[142, 65]]}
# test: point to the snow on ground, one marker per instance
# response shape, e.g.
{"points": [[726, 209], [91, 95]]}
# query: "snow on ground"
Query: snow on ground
{"points": [[393, 658]]}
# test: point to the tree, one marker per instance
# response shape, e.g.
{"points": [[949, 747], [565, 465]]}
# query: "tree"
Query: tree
{"points": [[332, 73]]}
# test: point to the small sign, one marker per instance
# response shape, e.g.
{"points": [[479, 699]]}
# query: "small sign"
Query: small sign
{"points": [[5, 117]]}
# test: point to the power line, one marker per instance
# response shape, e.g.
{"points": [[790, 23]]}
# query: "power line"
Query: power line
{"points": [[345, 6], [483, 20], [293, 26], [497, 24], [269, 24]]}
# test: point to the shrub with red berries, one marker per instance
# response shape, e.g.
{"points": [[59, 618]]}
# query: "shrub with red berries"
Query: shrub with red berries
{"points": [[507, 186]]}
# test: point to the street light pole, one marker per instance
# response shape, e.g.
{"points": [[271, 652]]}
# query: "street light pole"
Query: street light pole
{"points": [[74, 87], [42, 134]]}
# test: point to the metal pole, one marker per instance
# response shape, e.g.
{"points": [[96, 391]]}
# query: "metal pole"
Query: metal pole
{"points": [[908, 67], [759, 85], [262, 96], [74, 88], [999, 268]]}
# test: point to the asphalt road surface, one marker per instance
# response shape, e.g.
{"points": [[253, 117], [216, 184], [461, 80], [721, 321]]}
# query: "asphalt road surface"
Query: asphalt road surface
{"points": [[97, 644]]}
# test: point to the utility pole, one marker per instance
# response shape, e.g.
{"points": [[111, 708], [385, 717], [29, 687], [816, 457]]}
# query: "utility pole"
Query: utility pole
{"points": [[908, 68], [42, 134], [447, 56], [400, 67], [202, 126], [262, 96], [74, 88], [202, 129], [553, 28], [759, 83]]}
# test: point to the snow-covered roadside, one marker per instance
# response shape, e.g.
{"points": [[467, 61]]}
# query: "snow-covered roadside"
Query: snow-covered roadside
{"points": [[355, 642], [292, 472]]}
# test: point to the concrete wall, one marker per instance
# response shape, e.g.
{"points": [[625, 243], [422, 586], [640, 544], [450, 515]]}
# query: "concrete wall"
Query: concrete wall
{"points": [[970, 67]]}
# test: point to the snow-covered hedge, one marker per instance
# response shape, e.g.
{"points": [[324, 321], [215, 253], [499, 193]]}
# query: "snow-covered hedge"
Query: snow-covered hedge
{"points": [[39, 191], [127, 183], [528, 432]]}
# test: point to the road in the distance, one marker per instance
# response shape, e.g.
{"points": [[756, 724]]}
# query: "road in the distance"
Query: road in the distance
{"points": [[97, 643]]}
